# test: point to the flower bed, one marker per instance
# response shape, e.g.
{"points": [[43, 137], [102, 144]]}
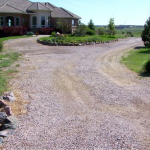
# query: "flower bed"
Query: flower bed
{"points": [[75, 43]]}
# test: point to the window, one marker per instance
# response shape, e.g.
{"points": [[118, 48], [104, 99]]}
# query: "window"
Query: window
{"points": [[2, 21], [17, 21], [42, 21], [34, 21], [10, 21], [49, 21], [72, 22]]}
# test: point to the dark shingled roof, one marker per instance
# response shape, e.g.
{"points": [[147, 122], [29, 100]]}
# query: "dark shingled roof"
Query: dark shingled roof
{"points": [[38, 6], [63, 13], [26, 6]]}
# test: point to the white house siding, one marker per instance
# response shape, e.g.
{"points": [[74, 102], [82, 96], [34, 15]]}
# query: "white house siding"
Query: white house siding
{"points": [[39, 14]]}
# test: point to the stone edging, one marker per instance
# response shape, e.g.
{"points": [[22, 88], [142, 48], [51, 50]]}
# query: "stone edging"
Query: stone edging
{"points": [[72, 44]]}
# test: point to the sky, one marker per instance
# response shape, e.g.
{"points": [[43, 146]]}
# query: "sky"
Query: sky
{"points": [[124, 12]]}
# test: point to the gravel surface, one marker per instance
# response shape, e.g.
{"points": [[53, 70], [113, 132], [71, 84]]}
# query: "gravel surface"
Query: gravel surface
{"points": [[81, 98]]}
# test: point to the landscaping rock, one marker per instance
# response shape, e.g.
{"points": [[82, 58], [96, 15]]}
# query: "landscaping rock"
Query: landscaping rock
{"points": [[1, 140], [7, 110], [3, 116], [9, 96], [8, 126], [2, 104], [10, 123]]}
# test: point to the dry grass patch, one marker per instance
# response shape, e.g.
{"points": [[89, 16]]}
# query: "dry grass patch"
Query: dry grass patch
{"points": [[19, 105]]}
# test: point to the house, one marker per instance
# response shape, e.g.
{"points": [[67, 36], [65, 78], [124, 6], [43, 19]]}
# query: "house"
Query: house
{"points": [[33, 15]]}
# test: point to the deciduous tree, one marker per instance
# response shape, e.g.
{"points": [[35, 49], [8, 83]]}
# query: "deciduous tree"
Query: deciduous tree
{"points": [[111, 26]]}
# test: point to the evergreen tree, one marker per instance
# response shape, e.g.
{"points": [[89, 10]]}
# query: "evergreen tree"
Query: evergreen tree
{"points": [[146, 33], [91, 25]]}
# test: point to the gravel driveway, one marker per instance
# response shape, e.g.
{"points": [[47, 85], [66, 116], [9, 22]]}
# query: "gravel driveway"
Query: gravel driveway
{"points": [[81, 98]]}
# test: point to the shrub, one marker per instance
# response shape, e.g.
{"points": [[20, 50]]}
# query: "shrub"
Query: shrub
{"points": [[53, 33], [46, 31], [146, 67], [80, 29], [30, 33], [1, 45], [64, 25], [12, 31], [90, 32], [101, 31]]}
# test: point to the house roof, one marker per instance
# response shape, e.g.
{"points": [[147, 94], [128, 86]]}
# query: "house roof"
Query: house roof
{"points": [[38, 6], [62, 13], [26, 6]]}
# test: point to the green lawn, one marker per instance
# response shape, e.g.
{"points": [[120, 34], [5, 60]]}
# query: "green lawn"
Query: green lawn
{"points": [[13, 37], [136, 59]]}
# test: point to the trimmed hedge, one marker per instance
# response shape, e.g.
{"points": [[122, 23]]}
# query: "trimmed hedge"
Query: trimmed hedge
{"points": [[12, 31]]}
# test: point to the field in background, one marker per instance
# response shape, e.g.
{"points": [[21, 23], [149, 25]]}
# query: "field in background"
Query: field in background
{"points": [[136, 31]]}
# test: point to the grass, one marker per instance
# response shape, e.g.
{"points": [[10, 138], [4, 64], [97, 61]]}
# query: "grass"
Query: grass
{"points": [[6, 60], [136, 59], [13, 37]]}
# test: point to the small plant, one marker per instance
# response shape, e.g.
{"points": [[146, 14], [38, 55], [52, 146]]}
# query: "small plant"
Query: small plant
{"points": [[53, 34], [30, 33], [18, 65]]}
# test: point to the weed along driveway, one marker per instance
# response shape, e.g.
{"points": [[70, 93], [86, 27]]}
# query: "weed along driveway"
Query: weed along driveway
{"points": [[81, 98]]}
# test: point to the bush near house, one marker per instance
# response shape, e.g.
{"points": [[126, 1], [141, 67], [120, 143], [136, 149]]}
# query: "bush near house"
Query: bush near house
{"points": [[12, 31], [90, 31], [46, 31]]}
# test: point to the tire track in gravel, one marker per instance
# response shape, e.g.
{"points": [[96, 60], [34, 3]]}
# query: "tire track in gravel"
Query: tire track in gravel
{"points": [[114, 70]]}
